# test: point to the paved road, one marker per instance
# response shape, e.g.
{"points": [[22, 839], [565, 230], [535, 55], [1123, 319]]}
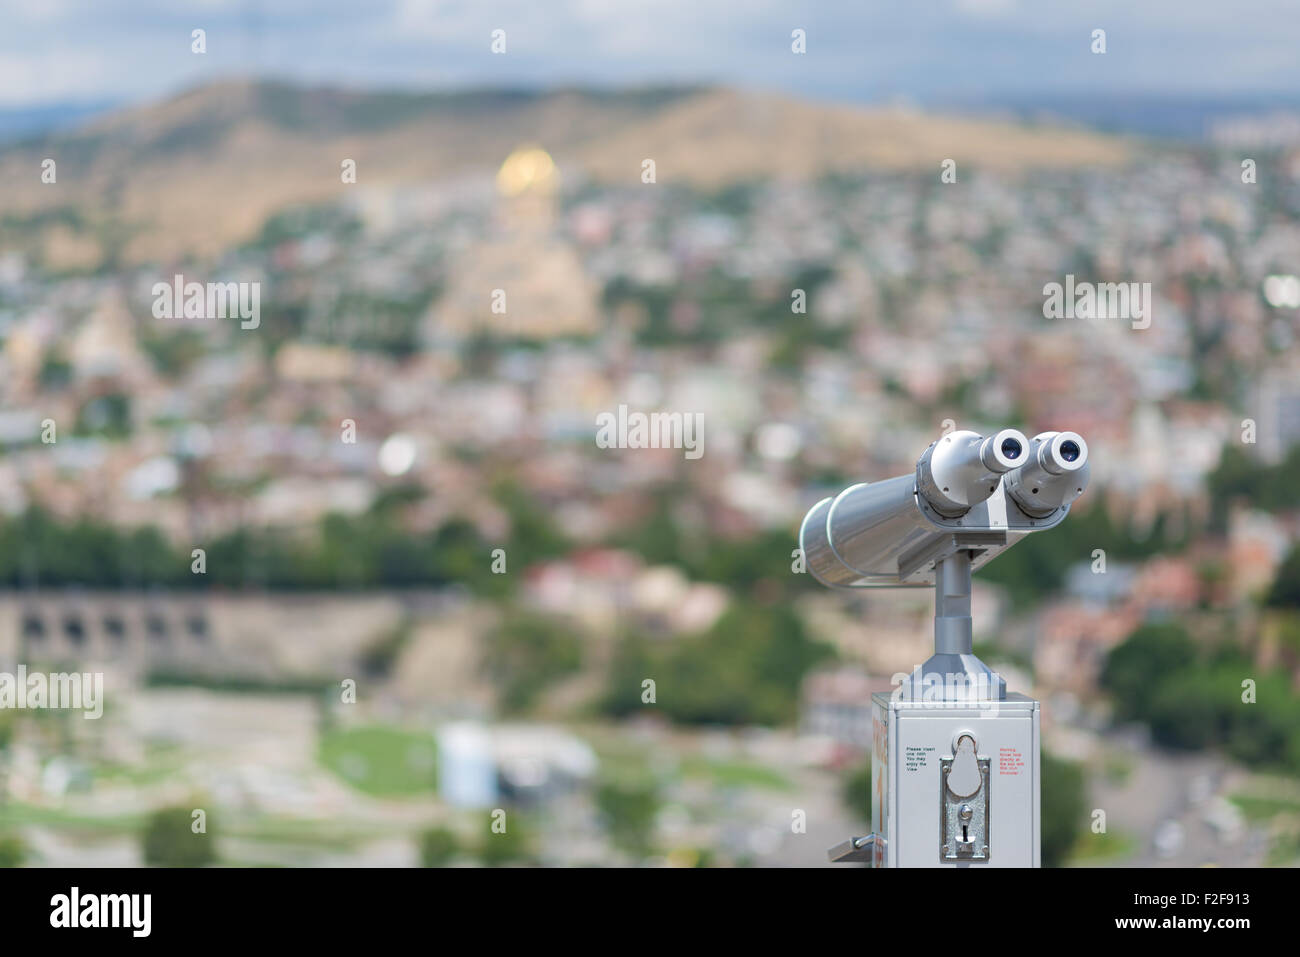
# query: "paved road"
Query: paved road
{"points": [[1165, 787]]}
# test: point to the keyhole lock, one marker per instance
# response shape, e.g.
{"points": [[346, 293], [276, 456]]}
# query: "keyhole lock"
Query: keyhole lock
{"points": [[964, 803], [964, 814]]}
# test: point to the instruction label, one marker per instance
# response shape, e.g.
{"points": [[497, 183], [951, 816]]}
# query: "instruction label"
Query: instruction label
{"points": [[1010, 761], [916, 757]]}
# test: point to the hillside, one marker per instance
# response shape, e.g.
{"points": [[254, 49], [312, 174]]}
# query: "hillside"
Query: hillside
{"points": [[197, 172]]}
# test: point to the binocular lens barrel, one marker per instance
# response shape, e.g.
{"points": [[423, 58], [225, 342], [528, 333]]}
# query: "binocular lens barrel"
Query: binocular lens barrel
{"points": [[962, 469], [1055, 473], [866, 532]]}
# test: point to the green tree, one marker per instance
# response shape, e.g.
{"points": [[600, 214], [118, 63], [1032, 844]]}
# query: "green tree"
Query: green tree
{"points": [[1063, 806], [503, 848], [1267, 732], [1241, 477], [1285, 592], [629, 810], [1037, 566], [858, 794], [526, 654], [1186, 710], [534, 535], [13, 852], [746, 669], [170, 841], [1193, 701], [438, 847], [1140, 665], [757, 565]]}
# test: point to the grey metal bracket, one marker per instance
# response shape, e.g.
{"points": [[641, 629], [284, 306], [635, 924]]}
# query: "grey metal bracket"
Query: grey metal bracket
{"points": [[856, 850]]}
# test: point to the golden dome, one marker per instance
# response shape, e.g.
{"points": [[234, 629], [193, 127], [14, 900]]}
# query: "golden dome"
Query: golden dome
{"points": [[527, 169]]}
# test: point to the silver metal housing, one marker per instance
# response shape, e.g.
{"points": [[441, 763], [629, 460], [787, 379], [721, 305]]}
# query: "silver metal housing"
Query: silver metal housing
{"points": [[962, 469], [887, 534], [950, 729]]}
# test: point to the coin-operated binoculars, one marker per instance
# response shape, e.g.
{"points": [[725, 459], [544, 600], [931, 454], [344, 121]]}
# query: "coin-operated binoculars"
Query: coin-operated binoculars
{"points": [[954, 765]]}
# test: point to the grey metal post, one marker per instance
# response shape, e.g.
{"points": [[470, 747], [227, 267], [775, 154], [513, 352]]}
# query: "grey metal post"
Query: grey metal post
{"points": [[953, 667], [953, 634]]}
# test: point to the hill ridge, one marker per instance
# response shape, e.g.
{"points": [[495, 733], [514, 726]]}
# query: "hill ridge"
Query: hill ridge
{"points": [[204, 168]]}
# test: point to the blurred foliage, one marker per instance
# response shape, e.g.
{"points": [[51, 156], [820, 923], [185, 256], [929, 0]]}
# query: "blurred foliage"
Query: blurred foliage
{"points": [[1239, 477], [857, 793], [438, 847], [1149, 655], [703, 309], [56, 371], [170, 841], [299, 222], [239, 684], [760, 564], [1193, 700], [692, 857], [994, 653], [173, 352], [13, 852], [534, 536], [514, 845], [346, 552], [746, 669], [528, 652], [1285, 592], [629, 810], [1036, 567], [1064, 805], [1105, 846], [377, 661], [386, 324], [106, 415]]}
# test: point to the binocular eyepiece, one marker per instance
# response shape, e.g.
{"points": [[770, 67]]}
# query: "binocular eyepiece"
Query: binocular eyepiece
{"points": [[963, 468], [1055, 474]]}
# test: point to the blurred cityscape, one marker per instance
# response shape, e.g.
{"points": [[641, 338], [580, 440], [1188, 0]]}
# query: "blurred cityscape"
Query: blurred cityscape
{"points": [[359, 576]]}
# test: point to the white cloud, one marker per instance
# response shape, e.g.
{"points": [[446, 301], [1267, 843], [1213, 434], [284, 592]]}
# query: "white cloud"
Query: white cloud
{"points": [[58, 50], [985, 8]]}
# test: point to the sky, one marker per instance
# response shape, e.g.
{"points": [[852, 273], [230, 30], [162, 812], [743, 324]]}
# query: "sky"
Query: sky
{"points": [[62, 51]]}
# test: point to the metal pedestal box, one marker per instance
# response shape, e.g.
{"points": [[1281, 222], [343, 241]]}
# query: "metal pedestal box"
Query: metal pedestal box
{"points": [[973, 764]]}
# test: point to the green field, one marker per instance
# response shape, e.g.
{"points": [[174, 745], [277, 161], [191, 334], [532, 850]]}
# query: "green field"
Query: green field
{"points": [[736, 774], [382, 761], [1095, 848], [1263, 808]]}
